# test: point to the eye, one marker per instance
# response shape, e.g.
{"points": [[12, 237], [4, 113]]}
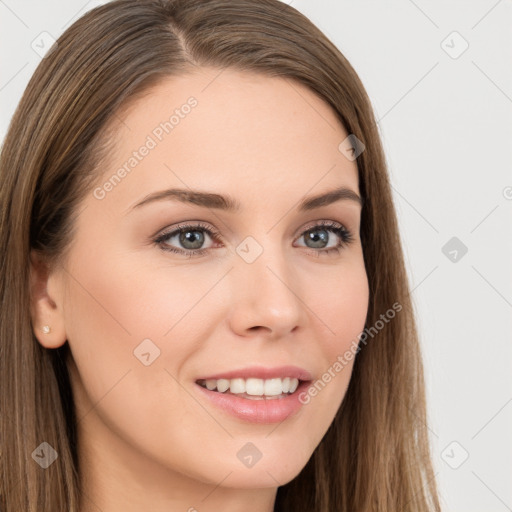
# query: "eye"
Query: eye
{"points": [[191, 237], [319, 239]]}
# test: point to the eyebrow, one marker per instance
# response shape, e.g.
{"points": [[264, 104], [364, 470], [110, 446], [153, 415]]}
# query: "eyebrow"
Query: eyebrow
{"points": [[229, 204]]}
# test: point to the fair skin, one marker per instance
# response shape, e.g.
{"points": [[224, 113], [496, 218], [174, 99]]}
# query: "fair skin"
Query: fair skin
{"points": [[148, 439]]}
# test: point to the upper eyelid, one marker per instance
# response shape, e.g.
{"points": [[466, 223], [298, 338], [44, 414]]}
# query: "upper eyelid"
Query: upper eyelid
{"points": [[199, 225], [187, 225]]}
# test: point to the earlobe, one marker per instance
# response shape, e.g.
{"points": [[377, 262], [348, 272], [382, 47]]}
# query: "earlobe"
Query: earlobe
{"points": [[45, 311]]}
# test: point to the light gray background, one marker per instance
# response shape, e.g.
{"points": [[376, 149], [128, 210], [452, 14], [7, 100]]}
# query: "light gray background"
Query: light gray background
{"points": [[446, 124]]}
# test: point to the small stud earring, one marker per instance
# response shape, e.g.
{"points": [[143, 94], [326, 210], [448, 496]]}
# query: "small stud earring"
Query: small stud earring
{"points": [[46, 329]]}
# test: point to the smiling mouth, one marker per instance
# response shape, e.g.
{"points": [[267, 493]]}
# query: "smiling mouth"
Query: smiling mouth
{"points": [[253, 388]]}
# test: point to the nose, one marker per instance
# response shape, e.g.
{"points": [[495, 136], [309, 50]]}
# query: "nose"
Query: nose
{"points": [[266, 297]]}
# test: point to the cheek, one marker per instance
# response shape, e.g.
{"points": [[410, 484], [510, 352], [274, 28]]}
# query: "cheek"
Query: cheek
{"points": [[119, 310], [341, 311], [342, 306], [106, 321], [123, 303], [112, 312]]}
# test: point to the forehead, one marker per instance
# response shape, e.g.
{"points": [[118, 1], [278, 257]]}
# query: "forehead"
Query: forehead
{"points": [[232, 131]]}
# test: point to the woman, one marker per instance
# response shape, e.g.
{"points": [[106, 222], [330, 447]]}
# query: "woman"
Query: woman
{"points": [[205, 305]]}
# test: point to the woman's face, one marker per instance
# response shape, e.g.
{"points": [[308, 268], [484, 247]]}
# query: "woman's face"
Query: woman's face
{"points": [[270, 291]]}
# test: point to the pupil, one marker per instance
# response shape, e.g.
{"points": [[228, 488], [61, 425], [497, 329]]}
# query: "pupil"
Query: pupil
{"points": [[322, 238], [186, 237]]}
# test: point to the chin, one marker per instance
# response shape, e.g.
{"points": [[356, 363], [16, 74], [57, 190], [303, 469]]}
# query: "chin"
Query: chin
{"points": [[272, 471]]}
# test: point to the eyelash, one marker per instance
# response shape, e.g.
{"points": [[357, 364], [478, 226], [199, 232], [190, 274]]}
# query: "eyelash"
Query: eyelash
{"points": [[338, 229]]}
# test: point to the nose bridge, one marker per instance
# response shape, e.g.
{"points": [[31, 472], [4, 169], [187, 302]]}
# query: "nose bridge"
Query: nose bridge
{"points": [[267, 294]]}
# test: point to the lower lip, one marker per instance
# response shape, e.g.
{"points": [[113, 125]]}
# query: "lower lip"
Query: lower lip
{"points": [[272, 410]]}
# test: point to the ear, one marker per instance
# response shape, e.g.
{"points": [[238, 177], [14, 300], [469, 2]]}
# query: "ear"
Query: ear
{"points": [[45, 310]]}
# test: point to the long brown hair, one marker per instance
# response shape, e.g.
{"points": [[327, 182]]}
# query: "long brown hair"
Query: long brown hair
{"points": [[375, 456]]}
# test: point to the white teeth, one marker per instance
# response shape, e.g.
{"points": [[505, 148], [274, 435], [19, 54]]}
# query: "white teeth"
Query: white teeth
{"points": [[253, 386], [222, 385], [273, 387], [237, 386]]}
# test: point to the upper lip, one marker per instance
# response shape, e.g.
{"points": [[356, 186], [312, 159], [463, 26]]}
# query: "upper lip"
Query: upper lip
{"points": [[261, 372]]}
